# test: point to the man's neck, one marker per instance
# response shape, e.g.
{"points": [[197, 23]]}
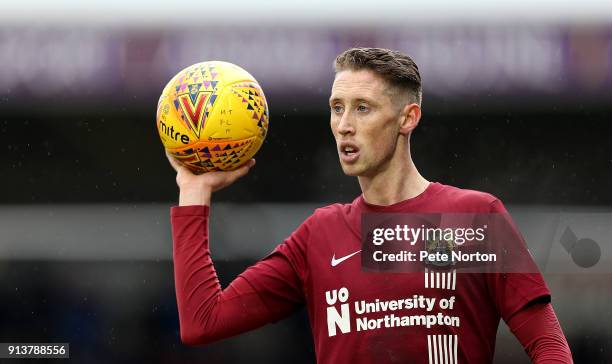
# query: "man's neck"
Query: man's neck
{"points": [[395, 184]]}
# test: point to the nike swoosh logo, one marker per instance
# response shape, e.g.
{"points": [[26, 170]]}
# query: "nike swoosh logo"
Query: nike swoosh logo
{"points": [[335, 262]]}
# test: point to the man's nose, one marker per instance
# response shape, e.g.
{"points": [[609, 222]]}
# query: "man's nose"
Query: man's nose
{"points": [[346, 126]]}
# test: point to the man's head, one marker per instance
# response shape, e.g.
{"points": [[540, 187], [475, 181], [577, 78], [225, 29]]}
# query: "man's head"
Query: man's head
{"points": [[375, 105]]}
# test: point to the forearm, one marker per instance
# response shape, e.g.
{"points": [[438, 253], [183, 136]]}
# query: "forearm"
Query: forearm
{"points": [[538, 330], [207, 313]]}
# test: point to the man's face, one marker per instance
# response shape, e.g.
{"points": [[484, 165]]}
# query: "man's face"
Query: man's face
{"points": [[364, 120]]}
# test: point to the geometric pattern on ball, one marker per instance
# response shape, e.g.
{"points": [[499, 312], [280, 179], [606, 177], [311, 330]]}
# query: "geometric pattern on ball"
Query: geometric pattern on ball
{"points": [[212, 116]]}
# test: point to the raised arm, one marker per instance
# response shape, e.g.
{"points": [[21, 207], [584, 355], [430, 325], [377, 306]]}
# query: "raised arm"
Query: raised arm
{"points": [[266, 292]]}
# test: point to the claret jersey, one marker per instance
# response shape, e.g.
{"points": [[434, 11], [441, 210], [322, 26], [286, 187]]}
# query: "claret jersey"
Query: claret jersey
{"points": [[441, 317]]}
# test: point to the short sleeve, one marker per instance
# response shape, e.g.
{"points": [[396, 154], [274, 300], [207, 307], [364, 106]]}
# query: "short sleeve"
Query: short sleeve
{"points": [[513, 291]]}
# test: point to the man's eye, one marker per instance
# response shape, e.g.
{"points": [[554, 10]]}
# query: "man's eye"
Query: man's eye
{"points": [[362, 108], [337, 109]]}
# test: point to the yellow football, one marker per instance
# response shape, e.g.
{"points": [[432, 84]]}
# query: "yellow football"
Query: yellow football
{"points": [[212, 116]]}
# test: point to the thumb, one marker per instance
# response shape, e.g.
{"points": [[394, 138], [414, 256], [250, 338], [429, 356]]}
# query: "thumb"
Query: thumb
{"points": [[176, 165]]}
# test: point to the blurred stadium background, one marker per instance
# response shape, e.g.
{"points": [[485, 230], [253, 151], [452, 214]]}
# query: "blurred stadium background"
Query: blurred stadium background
{"points": [[518, 99]]}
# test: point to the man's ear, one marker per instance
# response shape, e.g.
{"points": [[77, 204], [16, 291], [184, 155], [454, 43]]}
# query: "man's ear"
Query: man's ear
{"points": [[409, 118]]}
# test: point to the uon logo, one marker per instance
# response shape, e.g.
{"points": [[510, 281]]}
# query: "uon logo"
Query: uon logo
{"points": [[335, 319], [193, 106]]}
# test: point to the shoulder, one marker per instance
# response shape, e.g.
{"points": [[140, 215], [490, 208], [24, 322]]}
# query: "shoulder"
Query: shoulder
{"points": [[334, 218], [321, 216], [467, 200], [323, 220], [330, 212]]}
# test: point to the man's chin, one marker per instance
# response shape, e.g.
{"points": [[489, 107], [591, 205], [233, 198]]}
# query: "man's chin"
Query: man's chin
{"points": [[351, 170]]}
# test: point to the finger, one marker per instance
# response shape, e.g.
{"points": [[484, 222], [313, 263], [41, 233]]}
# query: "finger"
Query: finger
{"points": [[242, 171]]}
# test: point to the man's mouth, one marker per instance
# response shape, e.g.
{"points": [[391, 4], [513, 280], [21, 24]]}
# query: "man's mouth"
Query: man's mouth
{"points": [[349, 152]]}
